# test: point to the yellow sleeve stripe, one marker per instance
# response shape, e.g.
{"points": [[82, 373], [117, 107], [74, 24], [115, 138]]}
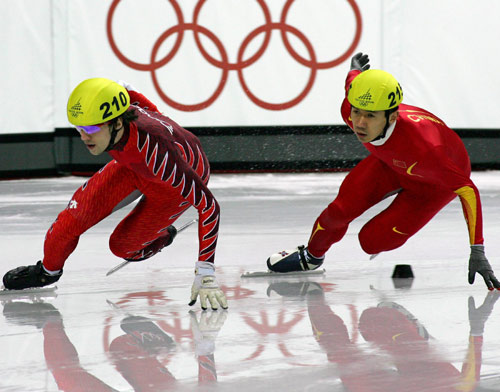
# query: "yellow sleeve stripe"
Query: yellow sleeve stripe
{"points": [[469, 202]]}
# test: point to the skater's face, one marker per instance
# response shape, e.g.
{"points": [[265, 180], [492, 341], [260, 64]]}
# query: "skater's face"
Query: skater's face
{"points": [[367, 125], [97, 142]]}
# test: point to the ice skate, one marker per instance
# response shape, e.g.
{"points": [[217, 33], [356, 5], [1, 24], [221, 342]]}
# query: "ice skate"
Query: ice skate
{"points": [[298, 259], [295, 262], [29, 277]]}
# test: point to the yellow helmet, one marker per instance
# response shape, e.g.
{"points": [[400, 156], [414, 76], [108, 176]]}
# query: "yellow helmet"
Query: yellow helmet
{"points": [[375, 90], [97, 100]]}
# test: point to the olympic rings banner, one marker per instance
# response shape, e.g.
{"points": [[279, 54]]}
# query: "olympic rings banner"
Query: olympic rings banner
{"points": [[247, 62], [224, 64], [239, 62]]}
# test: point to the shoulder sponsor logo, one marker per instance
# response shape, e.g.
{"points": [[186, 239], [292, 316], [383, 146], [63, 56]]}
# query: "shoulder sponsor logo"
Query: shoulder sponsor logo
{"points": [[417, 116]]}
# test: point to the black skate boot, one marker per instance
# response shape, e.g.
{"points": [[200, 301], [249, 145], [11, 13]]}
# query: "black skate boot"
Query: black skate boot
{"points": [[36, 314], [298, 259], [155, 246], [30, 276]]}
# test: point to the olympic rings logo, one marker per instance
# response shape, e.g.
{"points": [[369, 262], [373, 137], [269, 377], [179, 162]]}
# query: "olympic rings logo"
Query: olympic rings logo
{"points": [[240, 64]]}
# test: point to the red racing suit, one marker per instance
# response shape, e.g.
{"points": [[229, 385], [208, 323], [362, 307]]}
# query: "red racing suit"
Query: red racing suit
{"points": [[162, 161], [420, 159]]}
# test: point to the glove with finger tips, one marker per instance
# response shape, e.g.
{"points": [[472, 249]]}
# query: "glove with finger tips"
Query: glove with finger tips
{"points": [[360, 62], [479, 263], [206, 287]]}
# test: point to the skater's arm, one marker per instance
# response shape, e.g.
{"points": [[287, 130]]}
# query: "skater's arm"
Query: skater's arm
{"points": [[138, 99]]}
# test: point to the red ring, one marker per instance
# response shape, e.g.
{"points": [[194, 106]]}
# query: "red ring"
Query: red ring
{"points": [[239, 64], [302, 95], [133, 64], [220, 87], [326, 64]]}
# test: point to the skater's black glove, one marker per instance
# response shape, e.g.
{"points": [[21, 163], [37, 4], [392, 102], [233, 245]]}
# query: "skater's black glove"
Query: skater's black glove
{"points": [[478, 317], [360, 62], [479, 263]]}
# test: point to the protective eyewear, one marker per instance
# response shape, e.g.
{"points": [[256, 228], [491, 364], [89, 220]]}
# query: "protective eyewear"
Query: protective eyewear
{"points": [[89, 129]]}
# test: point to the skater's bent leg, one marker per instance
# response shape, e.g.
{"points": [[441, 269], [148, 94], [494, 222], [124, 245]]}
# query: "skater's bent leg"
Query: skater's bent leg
{"points": [[366, 185], [328, 229], [407, 214], [60, 241], [147, 228], [91, 203]]}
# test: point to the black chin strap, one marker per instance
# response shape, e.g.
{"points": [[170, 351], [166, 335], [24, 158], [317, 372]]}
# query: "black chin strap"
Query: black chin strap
{"points": [[387, 124], [382, 135], [114, 132]]}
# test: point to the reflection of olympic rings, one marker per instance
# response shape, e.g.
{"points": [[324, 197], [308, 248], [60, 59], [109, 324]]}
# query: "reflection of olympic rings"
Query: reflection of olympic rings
{"points": [[240, 64]]}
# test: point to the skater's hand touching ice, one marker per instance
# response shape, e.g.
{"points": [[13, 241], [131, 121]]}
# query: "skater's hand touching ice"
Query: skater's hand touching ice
{"points": [[206, 287], [479, 263]]}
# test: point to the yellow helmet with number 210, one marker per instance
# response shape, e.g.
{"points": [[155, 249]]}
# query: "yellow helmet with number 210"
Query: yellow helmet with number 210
{"points": [[375, 90], [97, 100]]}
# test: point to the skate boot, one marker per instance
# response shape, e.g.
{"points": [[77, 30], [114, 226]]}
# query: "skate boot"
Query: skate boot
{"points": [[36, 314], [155, 246], [298, 259], [146, 333], [29, 276]]}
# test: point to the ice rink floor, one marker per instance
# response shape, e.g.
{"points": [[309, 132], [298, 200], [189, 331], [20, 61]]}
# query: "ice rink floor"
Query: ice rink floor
{"points": [[351, 329]]}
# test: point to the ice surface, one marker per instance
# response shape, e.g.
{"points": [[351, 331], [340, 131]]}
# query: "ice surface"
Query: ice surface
{"points": [[315, 333]]}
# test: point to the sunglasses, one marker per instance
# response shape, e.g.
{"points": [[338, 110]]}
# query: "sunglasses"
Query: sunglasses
{"points": [[89, 129]]}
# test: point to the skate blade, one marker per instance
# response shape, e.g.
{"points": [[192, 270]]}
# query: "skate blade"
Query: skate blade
{"points": [[34, 291], [260, 274]]}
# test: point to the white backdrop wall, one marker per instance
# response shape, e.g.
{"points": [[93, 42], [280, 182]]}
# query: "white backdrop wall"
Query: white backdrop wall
{"points": [[444, 53]]}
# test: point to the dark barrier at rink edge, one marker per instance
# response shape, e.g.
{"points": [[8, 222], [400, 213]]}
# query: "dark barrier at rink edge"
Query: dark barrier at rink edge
{"points": [[229, 149]]}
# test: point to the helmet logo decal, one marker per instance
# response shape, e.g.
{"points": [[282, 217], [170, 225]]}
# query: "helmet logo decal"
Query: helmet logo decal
{"points": [[365, 99], [76, 109]]}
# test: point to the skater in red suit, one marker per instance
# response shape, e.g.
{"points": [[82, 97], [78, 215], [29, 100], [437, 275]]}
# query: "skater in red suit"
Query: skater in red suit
{"points": [[153, 157], [413, 155]]}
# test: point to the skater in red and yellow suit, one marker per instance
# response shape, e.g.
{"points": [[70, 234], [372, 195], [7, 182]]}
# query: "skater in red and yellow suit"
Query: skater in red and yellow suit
{"points": [[414, 155]]}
